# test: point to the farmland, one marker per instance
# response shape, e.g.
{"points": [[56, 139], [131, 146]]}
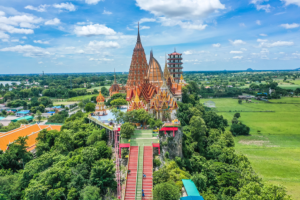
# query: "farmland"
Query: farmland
{"points": [[274, 145]]}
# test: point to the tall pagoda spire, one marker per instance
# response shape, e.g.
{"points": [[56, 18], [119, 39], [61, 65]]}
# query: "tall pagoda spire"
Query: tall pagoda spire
{"points": [[115, 82], [138, 67]]}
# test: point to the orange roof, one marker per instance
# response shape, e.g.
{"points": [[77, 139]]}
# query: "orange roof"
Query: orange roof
{"points": [[25, 130]]}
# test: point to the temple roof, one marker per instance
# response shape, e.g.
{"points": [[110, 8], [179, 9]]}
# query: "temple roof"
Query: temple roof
{"points": [[138, 45], [100, 97], [155, 74]]}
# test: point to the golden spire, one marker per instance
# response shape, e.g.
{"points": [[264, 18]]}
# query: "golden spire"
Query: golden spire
{"points": [[115, 82], [136, 99], [100, 97], [181, 80]]}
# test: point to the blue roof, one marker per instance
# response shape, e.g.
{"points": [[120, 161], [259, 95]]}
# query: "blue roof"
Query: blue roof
{"points": [[24, 112], [190, 188], [192, 198], [51, 112], [56, 107], [2, 118]]}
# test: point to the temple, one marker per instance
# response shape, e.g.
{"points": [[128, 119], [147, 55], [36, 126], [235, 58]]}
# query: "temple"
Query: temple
{"points": [[138, 67], [150, 88], [100, 109], [115, 88]]}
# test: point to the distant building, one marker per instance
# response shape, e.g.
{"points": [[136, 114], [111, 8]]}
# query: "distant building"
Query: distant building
{"points": [[175, 65]]}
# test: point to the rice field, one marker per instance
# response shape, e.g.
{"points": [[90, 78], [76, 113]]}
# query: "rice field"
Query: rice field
{"points": [[274, 145]]}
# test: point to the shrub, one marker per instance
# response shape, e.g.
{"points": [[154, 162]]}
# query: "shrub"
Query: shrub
{"points": [[239, 129], [156, 162]]}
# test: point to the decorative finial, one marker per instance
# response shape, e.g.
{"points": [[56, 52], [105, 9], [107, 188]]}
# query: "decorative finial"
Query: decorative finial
{"points": [[174, 49], [138, 37]]}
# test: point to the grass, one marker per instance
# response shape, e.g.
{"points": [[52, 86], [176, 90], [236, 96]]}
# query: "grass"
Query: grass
{"points": [[274, 151], [97, 88], [79, 98], [63, 103]]}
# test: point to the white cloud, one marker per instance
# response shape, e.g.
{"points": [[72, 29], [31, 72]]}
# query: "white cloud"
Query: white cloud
{"points": [[93, 29], [100, 59], [80, 51], [3, 36], [15, 40], [144, 27], [70, 48], [296, 54], [290, 26], [105, 12], [2, 13], [276, 44], [260, 40], [129, 29], [188, 9], [196, 25], [281, 53], [143, 20], [103, 44], [40, 8], [258, 5], [81, 23], [243, 49], [54, 21], [41, 42], [24, 37], [264, 35], [40, 62], [216, 45], [237, 42], [11, 29], [264, 51], [258, 22], [27, 50], [242, 25], [237, 57], [67, 6], [187, 53], [92, 1], [236, 52], [289, 2]]}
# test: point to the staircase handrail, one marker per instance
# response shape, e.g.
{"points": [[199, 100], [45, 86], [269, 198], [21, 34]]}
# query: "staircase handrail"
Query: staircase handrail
{"points": [[123, 196]]}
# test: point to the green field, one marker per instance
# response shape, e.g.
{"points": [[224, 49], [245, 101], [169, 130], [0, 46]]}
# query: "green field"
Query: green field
{"points": [[63, 103], [97, 88], [274, 151], [79, 98]]}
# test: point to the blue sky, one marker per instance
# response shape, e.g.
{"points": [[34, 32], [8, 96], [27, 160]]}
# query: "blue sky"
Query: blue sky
{"points": [[99, 35]]}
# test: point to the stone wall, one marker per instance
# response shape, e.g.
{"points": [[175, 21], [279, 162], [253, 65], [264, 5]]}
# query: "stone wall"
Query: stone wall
{"points": [[170, 144]]}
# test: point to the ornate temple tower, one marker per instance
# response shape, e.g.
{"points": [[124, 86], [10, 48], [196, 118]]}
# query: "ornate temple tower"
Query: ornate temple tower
{"points": [[175, 65], [155, 75], [138, 67], [100, 106]]}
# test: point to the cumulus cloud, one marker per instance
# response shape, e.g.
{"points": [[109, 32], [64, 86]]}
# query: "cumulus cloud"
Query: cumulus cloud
{"points": [[93, 29], [54, 21], [94, 2], [216, 45], [258, 22], [143, 20], [67, 6], [69, 48], [181, 8], [264, 43], [103, 44], [264, 35], [237, 57], [259, 6], [196, 25], [41, 42], [236, 52], [11, 29], [187, 52], [260, 40], [289, 2], [290, 26], [242, 25], [129, 29], [3, 36], [40, 62], [2, 13], [237, 42], [243, 49], [105, 12], [27, 50], [100, 59], [40, 8], [15, 40]]}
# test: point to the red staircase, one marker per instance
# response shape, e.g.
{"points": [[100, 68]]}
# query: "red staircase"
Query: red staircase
{"points": [[131, 178], [148, 170]]}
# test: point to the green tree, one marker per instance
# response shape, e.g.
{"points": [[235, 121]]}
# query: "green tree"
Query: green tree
{"points": [[237, 115], [81, 105], [90, 107], [118, 102], [240, 101], [90, 193], [127, 130], [38, 115], [103, 175], [104, 91], [166, 191], [239, 129]]}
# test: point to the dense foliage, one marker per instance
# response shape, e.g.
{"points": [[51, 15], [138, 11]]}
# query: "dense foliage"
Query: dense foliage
{"points": [[74, 163], [209, 159]]}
